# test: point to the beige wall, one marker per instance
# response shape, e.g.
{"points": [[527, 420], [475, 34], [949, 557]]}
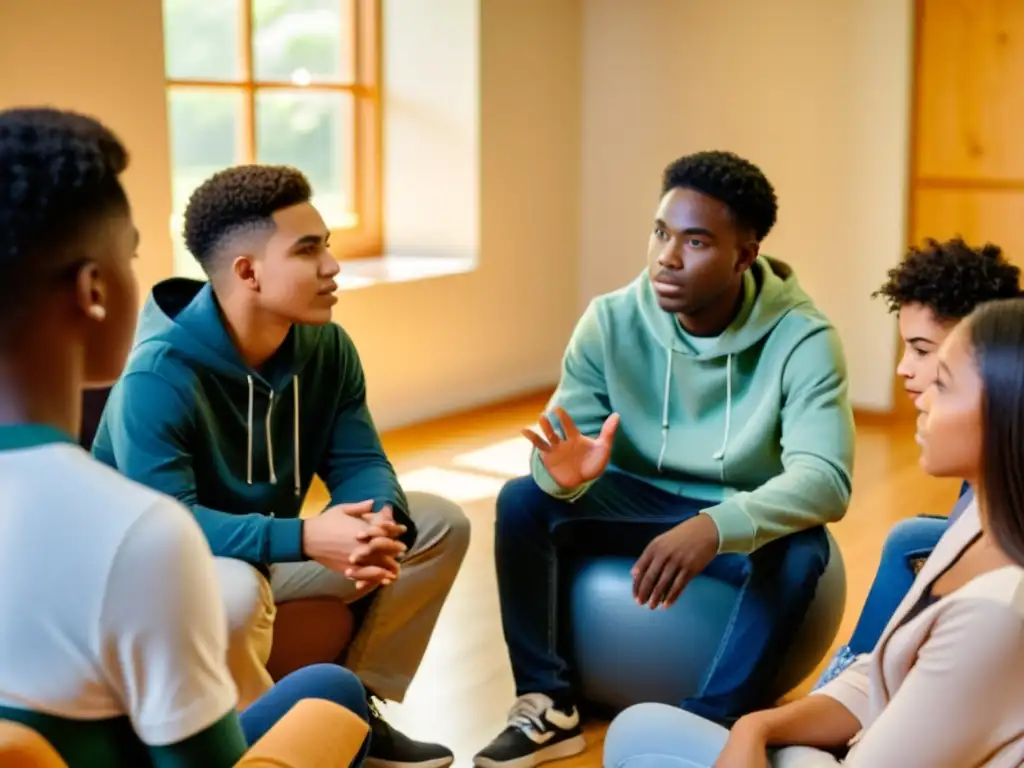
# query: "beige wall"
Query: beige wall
{"points": [[429, 346], [105, 58], [816, 93]]}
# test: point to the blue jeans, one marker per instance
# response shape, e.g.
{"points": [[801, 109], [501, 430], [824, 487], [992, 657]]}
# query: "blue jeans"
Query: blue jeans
{"points": [[620, 515], [909, 540], [659, 736], [318, 681]]}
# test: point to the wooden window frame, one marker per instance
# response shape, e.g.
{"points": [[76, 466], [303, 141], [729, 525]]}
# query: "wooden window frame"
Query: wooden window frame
{"points": [[366, 237]]}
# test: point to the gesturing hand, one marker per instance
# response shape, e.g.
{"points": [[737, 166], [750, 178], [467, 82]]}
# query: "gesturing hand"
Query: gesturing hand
{"points": [[672, 559], [574, 459], [746, 748]]}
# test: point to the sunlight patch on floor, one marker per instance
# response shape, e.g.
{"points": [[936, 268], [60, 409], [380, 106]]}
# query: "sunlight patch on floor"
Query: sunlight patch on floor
{"points": [[460, 487], [509, 458]]}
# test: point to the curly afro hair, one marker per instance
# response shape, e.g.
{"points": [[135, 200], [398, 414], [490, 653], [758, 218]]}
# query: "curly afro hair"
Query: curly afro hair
{"points": [[241, 198], [734, 181], [950, 278], [59, 171]]}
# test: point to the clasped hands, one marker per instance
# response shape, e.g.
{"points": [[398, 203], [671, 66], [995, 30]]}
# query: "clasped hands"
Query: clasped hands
{"points": [[355, 541], [672, 559]]}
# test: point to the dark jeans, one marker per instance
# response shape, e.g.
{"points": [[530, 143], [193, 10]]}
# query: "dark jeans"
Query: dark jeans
{"points": [[777, 584], [319, 681], [908, 541]]}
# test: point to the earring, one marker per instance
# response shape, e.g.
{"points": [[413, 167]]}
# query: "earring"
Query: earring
{"points": [[97, 312]]}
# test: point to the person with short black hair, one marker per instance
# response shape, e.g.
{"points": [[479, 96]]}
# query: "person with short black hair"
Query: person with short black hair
{"points": [[702, 420], [931, 290], [114, 639], [241, 389]]}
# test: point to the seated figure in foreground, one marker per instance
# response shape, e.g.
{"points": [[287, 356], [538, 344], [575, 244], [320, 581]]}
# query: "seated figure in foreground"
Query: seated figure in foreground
{"points": [[237, 392], [942, 686], [702, 413], [113, 635], [931, 290]]}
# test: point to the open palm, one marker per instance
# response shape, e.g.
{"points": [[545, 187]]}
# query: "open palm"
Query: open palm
{"points": [[574, 459]]}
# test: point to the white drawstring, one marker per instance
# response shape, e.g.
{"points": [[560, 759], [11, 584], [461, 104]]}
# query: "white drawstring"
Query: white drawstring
{"points": [[295, 432], [664, 406], [248, 472], [720, 453], [270, 444]]}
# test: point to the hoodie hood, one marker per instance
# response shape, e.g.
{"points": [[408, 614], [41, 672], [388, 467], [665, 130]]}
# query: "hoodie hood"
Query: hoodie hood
{"points": [[183, 315], [770, 291]]}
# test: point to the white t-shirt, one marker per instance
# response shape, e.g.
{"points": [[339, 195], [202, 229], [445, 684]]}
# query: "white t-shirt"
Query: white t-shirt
{"points": [[109, 604]]}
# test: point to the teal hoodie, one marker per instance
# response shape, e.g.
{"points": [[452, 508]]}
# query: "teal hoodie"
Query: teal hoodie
{"points": [[239, 447], [756, 422]]}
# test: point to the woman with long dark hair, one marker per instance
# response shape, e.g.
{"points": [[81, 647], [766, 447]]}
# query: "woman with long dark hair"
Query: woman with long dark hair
{"points": [[942, 688]]}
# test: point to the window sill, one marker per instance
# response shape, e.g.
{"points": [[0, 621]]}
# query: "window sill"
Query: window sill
{"points": [[364, 273]]}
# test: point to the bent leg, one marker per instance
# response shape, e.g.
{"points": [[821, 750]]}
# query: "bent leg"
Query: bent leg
{"points": [[780, 583], [250, 610], [389, 647], [320, 681], [908, 540], [660, 736]]}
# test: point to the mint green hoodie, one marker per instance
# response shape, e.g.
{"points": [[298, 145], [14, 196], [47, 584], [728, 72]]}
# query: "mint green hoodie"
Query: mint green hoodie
{"points": [[757, 423]]}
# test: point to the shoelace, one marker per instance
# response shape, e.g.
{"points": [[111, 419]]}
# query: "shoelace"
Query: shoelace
{"points": [[528, 712]]}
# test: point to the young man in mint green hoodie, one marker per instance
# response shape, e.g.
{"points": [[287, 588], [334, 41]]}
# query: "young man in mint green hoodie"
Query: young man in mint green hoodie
{"points": [[237, 392], [703, 409]]}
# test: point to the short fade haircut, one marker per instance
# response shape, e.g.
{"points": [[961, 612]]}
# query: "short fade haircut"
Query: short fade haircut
{"points": [[727, 177], [59, 174], [950, 278], [237, 199]]}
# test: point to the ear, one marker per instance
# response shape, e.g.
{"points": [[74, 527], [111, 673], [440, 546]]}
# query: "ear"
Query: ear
{"points": [[747, 254], [245, 270], [91, 292]]}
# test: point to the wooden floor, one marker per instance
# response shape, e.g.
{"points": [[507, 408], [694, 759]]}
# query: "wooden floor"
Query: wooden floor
{"points": [[464, 686]]}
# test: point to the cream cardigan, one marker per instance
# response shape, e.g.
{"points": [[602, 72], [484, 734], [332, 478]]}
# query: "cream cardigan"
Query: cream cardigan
{"points": [[946, 689]]}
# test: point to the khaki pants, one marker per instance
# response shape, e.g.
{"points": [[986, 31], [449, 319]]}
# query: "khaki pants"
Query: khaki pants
{"points": [[390, 644]]}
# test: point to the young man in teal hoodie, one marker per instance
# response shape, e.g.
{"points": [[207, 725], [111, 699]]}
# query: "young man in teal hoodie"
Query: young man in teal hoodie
{"points": [[237, 392], [702, 414]]}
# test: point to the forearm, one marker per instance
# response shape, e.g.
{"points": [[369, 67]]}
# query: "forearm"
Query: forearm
{"points": [[813, 721], [808, 493], [254, 538]]}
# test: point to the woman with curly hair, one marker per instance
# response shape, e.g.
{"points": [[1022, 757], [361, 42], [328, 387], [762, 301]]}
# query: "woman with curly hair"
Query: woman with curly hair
{"points": [[930, 291]]}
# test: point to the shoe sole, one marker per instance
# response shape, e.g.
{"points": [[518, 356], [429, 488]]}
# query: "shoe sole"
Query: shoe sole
{"points": [[437, 762], [559, 751]]}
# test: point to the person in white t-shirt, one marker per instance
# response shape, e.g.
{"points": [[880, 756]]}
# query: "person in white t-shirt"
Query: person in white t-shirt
{"points": [[112, 630]]}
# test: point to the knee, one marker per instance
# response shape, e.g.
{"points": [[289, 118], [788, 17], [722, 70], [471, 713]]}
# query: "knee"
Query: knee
{"points": [[248, 599], [805, 554], [441, 524], [633, 737], [333, 683], [518, 503], [911, 536]]}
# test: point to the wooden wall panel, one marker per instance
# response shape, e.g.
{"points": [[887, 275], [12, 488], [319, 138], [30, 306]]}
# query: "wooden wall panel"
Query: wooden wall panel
{"points": [[970, 89], [979, 216]]}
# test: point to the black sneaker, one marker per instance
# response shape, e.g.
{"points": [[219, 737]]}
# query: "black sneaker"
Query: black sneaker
{"points": [[537, 732], [390, 748]]}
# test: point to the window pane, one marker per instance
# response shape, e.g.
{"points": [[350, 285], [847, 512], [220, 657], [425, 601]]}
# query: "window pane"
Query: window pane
{"points": [[313, 132], [302, 41], [202, 39], [208, 133]]}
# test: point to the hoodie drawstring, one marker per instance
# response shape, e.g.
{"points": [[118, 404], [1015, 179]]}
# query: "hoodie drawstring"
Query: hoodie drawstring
{"points": [[295, 436], [718, 455], [270, 445], [248, 433]]}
